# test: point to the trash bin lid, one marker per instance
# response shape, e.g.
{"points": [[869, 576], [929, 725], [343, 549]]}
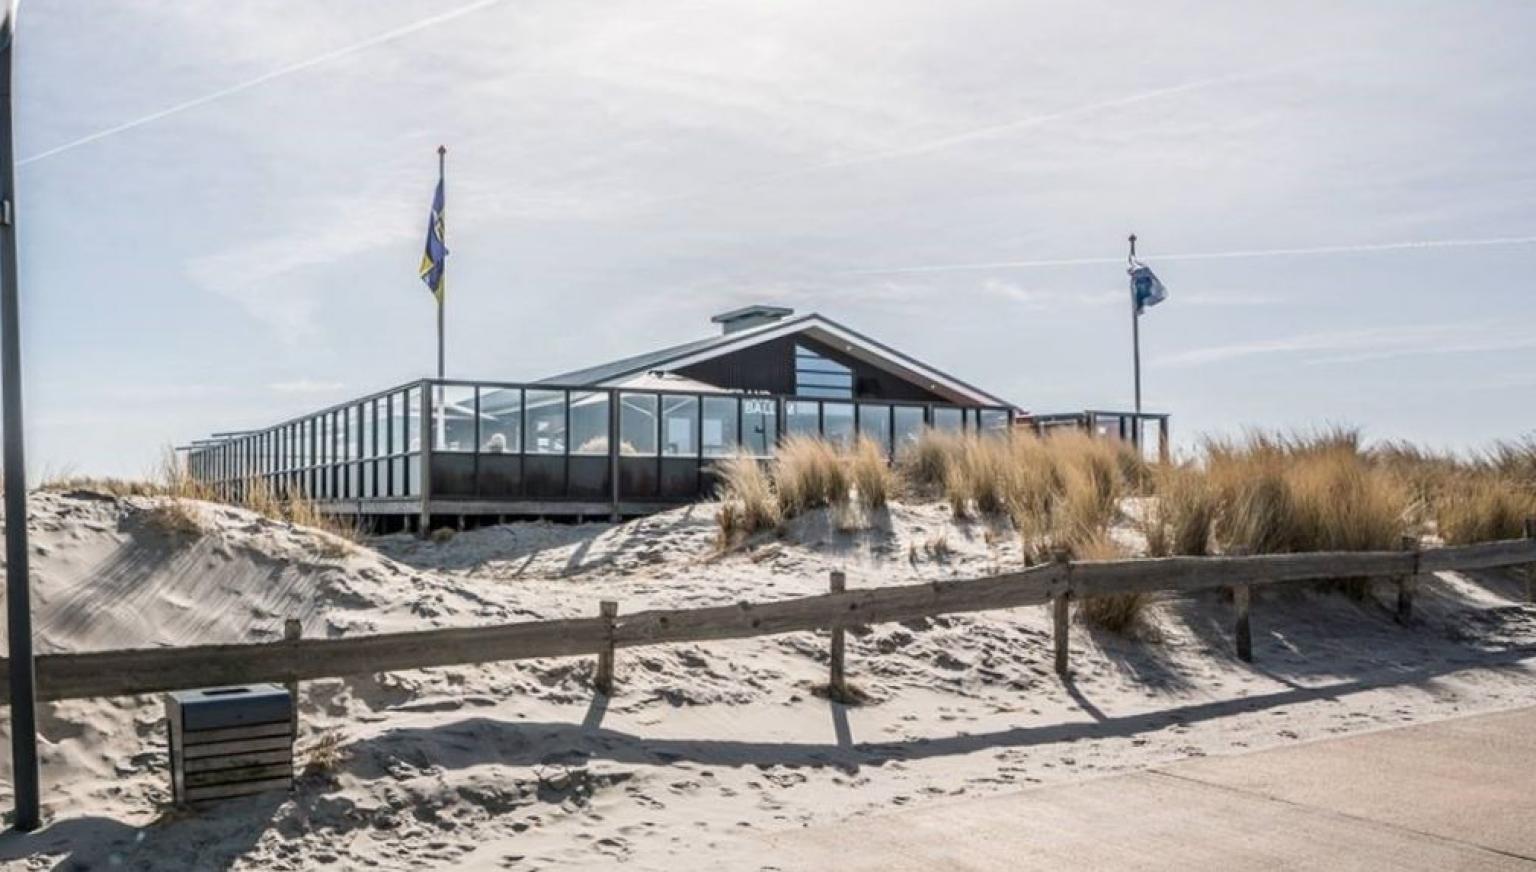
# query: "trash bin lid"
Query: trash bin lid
{"points": [[212, 708]]}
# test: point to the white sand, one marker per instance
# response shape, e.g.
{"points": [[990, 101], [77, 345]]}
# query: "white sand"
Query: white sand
{"points": [[514, 766]]}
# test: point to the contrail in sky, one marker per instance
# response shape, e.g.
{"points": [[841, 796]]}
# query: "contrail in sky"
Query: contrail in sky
{"points": [[1207, 255], [931, 145], [1020, 123], [299, 66]]}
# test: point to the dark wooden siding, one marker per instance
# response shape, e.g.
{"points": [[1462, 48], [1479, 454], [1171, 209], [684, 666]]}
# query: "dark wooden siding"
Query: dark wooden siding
{"points": [[770, 367]]}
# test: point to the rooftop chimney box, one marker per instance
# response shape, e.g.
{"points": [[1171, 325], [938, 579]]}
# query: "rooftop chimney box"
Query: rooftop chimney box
{"points": [[750, 316]]}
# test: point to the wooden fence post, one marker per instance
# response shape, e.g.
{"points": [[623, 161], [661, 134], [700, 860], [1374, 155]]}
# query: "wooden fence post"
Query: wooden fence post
{"points": [[837, 683], [1242, 606], [1061, 606], [293, 630], [1242, 599], [1407, 584], [608, 610], [1530, 569]]}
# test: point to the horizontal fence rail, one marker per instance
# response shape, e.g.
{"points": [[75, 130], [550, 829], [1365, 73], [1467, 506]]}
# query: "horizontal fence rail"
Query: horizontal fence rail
{"points": [[154, 670]]}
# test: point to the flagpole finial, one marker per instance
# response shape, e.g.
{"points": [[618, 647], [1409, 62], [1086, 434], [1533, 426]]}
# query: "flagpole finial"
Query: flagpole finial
{"points": [[442, 149]]}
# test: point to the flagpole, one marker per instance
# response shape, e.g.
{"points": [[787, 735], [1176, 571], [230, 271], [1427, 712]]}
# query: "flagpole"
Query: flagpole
{"points": [[442, 282], [1135, 330], [442, 294]]}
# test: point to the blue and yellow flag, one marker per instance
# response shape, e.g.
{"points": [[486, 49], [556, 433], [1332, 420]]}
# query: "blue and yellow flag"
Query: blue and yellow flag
{"points": [[1146, 289], [433, 259]]}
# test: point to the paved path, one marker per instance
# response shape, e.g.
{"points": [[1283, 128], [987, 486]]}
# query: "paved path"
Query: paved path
{"points": [[1457, 794]]}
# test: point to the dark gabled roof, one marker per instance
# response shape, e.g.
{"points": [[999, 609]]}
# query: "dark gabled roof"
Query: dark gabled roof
{"points": [[823, 328]]}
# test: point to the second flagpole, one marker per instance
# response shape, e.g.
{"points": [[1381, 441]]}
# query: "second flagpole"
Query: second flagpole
{"points": [[441, 431], [1135, 331], [442, 283]]}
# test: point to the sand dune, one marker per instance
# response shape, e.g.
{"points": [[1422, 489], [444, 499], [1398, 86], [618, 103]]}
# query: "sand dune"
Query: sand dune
{"points": [[518, 766]]}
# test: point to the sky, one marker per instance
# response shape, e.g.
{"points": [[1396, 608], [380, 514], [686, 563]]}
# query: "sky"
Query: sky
{"points": [[221, 206]]}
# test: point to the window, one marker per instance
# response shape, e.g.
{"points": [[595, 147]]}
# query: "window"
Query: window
{"points": [[455, 420], [948, 418], [802, 417], [397, 424], [679, 426], [501, 421], [589, 422], [908, 425], [994, 422], [875, 425], [368, 449], [816, 376], [637, 424], [837, 423], [546, 422], [759, 426], [718, 431], [412, 431]]}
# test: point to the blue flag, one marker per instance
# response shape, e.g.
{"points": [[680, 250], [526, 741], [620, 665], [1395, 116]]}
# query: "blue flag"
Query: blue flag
{"points": [[1146, 290], [432, 260]]}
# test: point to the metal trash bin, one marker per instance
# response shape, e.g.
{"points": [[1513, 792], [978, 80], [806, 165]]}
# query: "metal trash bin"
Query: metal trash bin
{"points": [[230, 741]]}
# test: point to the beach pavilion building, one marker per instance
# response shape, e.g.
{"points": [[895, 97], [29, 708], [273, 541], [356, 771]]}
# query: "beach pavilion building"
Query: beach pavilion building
{"points": [[625, 438]]}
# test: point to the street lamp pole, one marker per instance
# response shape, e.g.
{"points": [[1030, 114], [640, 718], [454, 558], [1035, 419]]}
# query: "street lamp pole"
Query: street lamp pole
{"points": [[18, 594]]}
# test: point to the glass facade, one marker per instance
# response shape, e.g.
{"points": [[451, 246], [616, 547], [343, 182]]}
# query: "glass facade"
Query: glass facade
{"points": [[501, 420], [818, 376], [589, 422], [679, 425], [546, 416], [759, 425], [638, 424], [720, 430], [502, 441]]}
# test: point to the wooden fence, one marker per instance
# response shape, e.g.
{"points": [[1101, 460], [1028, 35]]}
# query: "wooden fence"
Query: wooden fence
{"points": [[293, 659]]}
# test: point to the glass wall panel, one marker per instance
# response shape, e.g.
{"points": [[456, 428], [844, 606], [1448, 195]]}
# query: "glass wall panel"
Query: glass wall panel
{"points": [[759, 426], [908, 425], [817, 376], [837, 422], [546, 422], [679, 426], [589, 422], [366, 434], [392, 424], [412, 421], [455, 421], [719, 428], [947, 418], [637, 424], [994, 421], [354, 432], [875, 424], [801, 417], [501, 420]]}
